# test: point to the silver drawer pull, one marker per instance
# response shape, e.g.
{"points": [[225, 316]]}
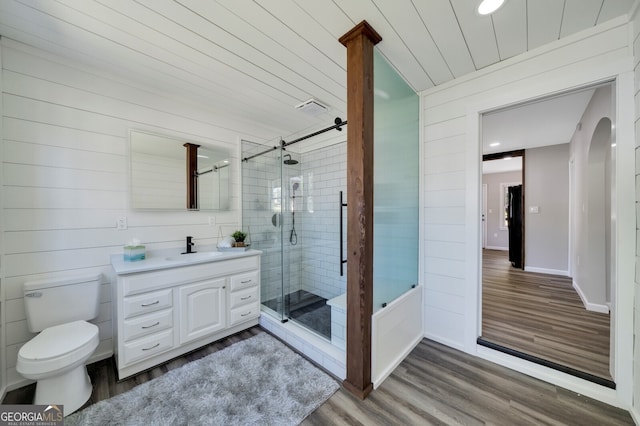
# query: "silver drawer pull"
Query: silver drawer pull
{"points": [[150, 326], [244, 282], [152, 347], [244, 315], [245, 298], [34, 294], [144, 305]]}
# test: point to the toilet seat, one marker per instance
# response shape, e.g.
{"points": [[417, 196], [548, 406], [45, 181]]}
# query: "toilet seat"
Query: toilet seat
{"points": [[57, 348]]}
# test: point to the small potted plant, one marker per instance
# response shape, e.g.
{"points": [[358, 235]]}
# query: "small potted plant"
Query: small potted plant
{"points": [[239, 236]]}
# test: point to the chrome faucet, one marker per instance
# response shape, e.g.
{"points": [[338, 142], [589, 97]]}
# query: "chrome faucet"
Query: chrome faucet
{"points": [[189, 244]]}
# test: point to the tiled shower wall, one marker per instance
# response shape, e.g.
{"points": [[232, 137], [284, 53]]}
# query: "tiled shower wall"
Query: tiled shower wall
{"points": [[313, 264], [325, 175]]}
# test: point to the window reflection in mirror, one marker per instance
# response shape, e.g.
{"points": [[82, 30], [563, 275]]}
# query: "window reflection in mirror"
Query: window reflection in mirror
{"points": [[159, 174]]}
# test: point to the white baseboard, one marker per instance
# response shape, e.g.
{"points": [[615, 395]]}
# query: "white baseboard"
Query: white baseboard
{"points": [[546, 271], [497, 248], [635, 415], [595, 307]]}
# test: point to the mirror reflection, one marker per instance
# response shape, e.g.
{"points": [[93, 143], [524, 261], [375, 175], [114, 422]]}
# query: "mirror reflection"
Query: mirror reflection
{"points": [[159, 172]]}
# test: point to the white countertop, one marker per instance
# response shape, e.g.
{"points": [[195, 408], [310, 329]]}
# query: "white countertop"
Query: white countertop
{"points": [[157, 259]]}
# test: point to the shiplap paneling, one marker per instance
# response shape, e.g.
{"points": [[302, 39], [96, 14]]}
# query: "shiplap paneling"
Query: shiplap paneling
{"points": [[417, 38], [198, 65], [259, 58], [568, 63], [607, 44], [478, 33], [583, 12], [65, 177], [404, 61], [443, 26], [544, 22], [510, 28], [635, 23]]}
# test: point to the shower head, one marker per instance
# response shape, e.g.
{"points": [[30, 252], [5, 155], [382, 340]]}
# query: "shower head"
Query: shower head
{"points": [[290, 161]]}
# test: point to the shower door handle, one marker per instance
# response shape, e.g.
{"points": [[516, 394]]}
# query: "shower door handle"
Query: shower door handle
{"points": [[342, 259]]}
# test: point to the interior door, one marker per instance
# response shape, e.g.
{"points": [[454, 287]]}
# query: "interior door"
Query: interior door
{"points": [[514, 221]]}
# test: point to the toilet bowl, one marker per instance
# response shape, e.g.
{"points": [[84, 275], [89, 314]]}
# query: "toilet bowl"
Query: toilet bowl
{"points": [[56, 357]]}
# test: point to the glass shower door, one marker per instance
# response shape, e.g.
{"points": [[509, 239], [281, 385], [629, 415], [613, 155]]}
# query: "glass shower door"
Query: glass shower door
{"points": [[262, 208]]}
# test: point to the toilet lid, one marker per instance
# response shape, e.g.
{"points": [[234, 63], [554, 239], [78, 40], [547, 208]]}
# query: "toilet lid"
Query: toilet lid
{"points": [[59, 340]]}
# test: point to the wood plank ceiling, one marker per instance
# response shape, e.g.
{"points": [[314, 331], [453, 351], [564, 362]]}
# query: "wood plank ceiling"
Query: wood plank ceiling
{"points": [[258, 59]]}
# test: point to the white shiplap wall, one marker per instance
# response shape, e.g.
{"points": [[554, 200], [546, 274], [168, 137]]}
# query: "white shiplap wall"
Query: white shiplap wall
{"points": [[3, 355], [635, 409], [451, 119], [65, 177]]}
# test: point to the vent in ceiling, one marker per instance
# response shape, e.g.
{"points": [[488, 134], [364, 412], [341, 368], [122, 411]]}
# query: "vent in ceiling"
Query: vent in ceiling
{"points": [[312, 107]]}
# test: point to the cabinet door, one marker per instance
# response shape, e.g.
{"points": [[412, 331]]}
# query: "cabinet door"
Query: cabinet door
{"points": [[202, 309]]}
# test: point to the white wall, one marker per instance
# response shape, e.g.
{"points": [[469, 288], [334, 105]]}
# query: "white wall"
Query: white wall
{"points": [[451, 119], [590, 219], [635, 411], [497, 237], [65, 161], [547, 188]]}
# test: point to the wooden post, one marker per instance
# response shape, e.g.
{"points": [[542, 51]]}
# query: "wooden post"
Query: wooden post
{"points": [[359, 43], [192, 179]]}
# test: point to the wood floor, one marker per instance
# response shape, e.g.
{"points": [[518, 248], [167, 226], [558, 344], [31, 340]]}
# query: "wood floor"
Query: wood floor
{"points": [[541, 315], [434, 385]]}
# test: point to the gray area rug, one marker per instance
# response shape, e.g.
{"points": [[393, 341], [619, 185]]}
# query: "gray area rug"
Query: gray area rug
{"points": [[258, 381]]}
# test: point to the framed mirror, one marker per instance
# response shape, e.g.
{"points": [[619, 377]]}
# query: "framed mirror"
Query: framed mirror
{"points": [[159, 174]]}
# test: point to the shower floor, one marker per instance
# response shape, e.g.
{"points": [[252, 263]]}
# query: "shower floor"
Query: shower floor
{"points": [[308, 309]]}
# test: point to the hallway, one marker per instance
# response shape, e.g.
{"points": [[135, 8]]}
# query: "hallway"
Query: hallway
{"points": [[541, 315]]}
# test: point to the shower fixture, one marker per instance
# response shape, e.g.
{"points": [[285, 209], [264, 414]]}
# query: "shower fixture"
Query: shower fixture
{"points": [[293, 237], [290, 161]]}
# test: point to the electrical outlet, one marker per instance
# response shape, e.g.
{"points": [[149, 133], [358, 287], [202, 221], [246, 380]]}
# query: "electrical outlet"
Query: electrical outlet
{"points": [[212, 221], [121, 223]]}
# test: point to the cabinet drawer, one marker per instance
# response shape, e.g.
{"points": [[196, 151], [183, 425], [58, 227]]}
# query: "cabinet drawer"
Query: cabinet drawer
{"points": [[148, 346], [147, 281], [148, 302], [147, 324], [244, 313], [244, 280], [244, 297]]}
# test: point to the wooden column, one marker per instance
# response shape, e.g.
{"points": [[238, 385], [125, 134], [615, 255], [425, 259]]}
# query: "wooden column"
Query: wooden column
{"points": [[359, 43], [192, 179]]}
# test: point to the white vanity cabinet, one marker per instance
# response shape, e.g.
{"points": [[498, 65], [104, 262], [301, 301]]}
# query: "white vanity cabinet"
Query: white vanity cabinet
{"points": [[163, 312]]}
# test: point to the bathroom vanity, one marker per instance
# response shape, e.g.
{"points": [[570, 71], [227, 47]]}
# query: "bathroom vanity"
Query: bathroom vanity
{"points": [[170, 304]]}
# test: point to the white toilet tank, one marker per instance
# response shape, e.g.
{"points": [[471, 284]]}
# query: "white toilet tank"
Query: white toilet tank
{"points": [[61, 300]]}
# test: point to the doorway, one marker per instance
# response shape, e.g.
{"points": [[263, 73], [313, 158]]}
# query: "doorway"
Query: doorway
{"points": [[544, 309]]}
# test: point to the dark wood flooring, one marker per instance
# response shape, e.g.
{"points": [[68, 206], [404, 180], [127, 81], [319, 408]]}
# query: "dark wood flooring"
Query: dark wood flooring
{"points": [[541, 315], [434, 385]]}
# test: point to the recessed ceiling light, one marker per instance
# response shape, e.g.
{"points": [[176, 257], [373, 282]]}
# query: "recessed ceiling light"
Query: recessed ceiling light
{"points": [[494, 144], [487, 7], [507, 158]]}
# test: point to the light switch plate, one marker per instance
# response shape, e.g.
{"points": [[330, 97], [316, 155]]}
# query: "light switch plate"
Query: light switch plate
{"points": [[121, 223]]}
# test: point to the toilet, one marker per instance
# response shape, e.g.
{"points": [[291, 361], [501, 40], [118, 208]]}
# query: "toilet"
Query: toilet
{"points": [[59, 309]]}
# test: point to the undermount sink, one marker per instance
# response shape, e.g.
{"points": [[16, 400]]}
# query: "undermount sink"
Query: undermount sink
{"points": [[194, 257]]}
